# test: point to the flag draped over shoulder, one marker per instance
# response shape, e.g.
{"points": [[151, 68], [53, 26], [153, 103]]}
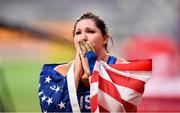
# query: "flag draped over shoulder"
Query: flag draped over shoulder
{"points": [[118, 87], [113, 88]]}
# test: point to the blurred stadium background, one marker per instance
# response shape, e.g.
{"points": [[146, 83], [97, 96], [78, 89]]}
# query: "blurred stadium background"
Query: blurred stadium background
{"points": [[35, 32]]}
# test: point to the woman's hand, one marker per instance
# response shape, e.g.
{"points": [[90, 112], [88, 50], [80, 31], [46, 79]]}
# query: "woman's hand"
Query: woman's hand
{"points": [[88, 57], [78, 68], [84, 61]]}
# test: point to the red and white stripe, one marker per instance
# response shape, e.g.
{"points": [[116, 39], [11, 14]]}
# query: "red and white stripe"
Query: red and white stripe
{"points": [[118, 87]]}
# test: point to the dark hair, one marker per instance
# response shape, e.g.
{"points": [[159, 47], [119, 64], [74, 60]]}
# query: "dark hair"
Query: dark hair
{"points": [[99, 23]]}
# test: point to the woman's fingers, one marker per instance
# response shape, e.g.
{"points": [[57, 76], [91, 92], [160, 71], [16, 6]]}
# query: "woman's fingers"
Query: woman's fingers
{"points": [[78, 48], [85, 64], [91, 47], [88, 46], [83, 48], [84, 60]]}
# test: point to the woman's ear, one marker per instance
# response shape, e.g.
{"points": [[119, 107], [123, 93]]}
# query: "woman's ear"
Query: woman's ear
{"points": [[106, 39]]}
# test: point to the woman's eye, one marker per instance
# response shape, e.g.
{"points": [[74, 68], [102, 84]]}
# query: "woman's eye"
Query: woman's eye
{"points": [[78, 32], [91, 31]]}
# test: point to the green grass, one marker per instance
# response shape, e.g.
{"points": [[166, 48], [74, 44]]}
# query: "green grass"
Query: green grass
{"points": [[22, 80], [22, 77]]}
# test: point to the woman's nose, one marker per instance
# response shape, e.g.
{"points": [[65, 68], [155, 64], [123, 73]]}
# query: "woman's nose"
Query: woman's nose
{"points": [[84, 37]]}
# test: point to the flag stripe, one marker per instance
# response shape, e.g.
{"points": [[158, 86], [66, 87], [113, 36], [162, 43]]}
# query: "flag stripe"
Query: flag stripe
{"points": [[112, 91], [105, 99], [143, 75], [109, 88], [72, 89], [93, 89], [122, 80], [94, 78], [138, 65], [94, 102], [140, 75], [129, 95], [97, 109], [129, 107], [103, 109], [126, 93], [127, 82]]}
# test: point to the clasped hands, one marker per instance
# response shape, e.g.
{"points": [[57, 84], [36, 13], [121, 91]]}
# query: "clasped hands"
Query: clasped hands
{"points": [[87, 56]]}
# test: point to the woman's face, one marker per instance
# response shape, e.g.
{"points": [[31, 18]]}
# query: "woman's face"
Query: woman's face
{"points": [[87, 30]]}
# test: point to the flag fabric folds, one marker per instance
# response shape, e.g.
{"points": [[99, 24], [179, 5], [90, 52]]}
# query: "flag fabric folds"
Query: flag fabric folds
{"points": [[113, 88], [53, 90], [118, 87]]}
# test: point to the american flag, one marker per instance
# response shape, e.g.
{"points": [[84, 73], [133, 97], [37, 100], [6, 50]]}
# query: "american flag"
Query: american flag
{"points": [[53, 93], [113, 88], [119, 87]]}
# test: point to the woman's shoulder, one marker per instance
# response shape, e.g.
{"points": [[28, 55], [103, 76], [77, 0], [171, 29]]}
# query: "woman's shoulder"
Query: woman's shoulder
{"points": [[61, 68]]}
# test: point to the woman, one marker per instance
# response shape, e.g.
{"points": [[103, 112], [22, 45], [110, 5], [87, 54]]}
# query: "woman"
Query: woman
{"points": [[66, 87]]}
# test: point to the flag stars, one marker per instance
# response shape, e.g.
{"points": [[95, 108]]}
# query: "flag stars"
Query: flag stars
{"points": [[61, 105], [49, 101], [39, 85], [52, 87], [45, 111], [57, 89], [40, 93], [43, 98], [48, 79]]}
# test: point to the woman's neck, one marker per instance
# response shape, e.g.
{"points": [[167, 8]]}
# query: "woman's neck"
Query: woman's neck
{"points": [[102, 55]]}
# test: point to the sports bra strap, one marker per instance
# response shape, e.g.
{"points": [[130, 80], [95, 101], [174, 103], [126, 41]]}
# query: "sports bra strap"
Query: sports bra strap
{"points": [[111, 60]]}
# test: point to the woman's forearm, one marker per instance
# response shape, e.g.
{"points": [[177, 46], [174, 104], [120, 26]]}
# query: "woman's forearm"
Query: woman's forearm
{"points": [[78, 70]]}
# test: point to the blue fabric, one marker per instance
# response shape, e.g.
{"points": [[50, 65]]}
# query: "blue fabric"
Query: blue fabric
{"points": [[111, 60], [83, 95], [91, 56], [53, 91]]}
